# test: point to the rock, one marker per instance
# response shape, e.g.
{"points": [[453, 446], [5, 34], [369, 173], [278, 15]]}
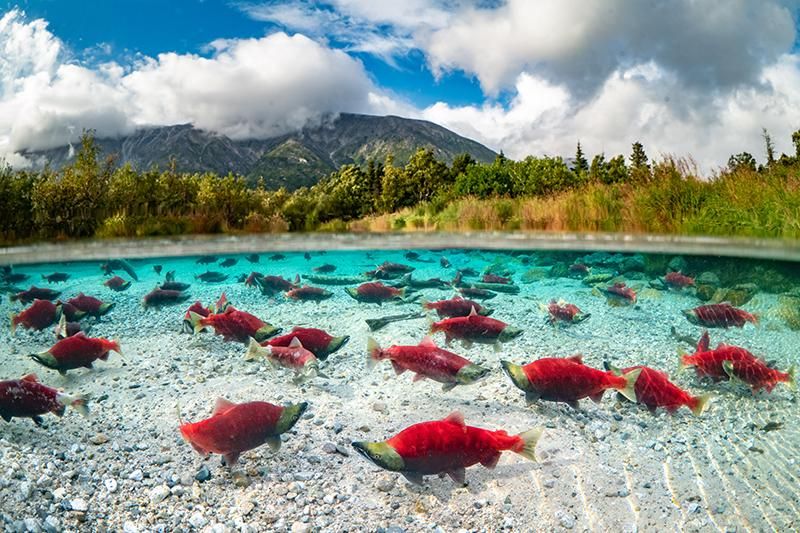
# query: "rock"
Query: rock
{"points": [[25, 490], [559, 270], [32, 525], [566, 520], [633, 263], [51, 524], [240, 479], [98, 438], [329, 447], [136, 475], [385, 483], [202, 475], [79, 504], [707, 284], [678, 264], [379, 406], [111, 484], [129, 527], [159, 494], [737, 295], [197, 521]]}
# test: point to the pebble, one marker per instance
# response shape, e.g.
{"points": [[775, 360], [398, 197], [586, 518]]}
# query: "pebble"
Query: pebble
{"points": [[79, 504], [52, 524], [204, 474], [379, 406], [111, 484], [385, 483], [300, 527], [240, 479], [197, 521], [25, 490], [136, 475], [159, 494], [98, 438], [129, 527], [566, 520], [329, 447]]}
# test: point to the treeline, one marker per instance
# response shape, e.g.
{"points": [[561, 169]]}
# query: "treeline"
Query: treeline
{"points": [[95, 197]]}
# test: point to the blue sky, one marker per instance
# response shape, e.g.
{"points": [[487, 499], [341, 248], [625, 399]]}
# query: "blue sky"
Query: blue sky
{"points": [[525, 76]]}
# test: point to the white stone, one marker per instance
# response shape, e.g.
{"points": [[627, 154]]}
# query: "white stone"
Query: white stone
{"points": [[197, 521], [111, 484]]}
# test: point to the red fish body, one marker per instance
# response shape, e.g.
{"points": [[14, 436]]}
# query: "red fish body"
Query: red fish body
{"points": [[758, 375], [41, 314], [172, 285], [427, 360], [722, 315], [253, 279], [395, 268], [456, 306], [654, 390], [317, 341], [733, 362], [492, 278], [198, 309], [565, 312], [476, 328], [117, 284], [445, 446], [72, 313], [621, 293], [159, 296], [578, 268], [676, 280], [375, 292], [27, 398], [568, 380], [236, 428], [309, 294], [90, 305], [35, 293], [294, 357], [271, 285], [235, 325], [75, 352]]}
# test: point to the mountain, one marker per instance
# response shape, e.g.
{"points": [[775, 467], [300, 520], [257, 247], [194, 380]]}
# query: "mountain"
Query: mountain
{"points": [[292, 160]]}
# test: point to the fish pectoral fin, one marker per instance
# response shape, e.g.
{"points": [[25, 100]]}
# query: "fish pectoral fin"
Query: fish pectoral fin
{"points": [[573, 404], [413, 477], [199, 450], [398, 368], [458, 475], [597, 397], [37, 420], [531, 397], [491, 462], [230, 459], [417, 377], [447, 387], [274, 443], [6, 417]]}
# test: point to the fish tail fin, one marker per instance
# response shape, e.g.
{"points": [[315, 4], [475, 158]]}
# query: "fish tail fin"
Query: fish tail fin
{"points": [[402, 291], [196, 321], [373, 353], [754, 318], [13, 318], [629, 391], [703, 343], [529, 440], [116, 346], [792, 378], [253, 350], [425, 303], [79, 402], [683, 361], [700, 404]]}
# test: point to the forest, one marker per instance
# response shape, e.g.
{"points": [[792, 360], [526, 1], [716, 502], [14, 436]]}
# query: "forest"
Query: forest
{"points": [[95, 197]]}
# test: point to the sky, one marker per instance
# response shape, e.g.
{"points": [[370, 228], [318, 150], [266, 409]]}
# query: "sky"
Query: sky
{"points": [[697, 78]]}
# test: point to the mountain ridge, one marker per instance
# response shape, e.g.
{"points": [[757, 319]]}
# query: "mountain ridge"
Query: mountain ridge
{"points": [[291, 160]]}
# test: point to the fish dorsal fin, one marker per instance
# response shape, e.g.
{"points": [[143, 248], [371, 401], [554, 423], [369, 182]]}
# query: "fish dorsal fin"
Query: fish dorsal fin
{"points": [[31, 377], [455, 418], [428, 342], [472, 311], [457, 297], [80, 334], [295, 343], [703, 343], [577, 358], [222, 406]]}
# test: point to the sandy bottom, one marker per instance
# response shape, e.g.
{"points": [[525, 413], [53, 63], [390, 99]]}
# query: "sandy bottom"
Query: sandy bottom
{"points": [[603, 467]]}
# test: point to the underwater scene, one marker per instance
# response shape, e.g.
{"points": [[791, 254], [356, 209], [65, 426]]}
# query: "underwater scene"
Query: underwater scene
{"points": [[405, 390]]}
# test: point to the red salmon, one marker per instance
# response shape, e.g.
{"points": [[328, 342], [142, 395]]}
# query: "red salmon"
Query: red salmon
{"points": [[654, 390], [456, 306], [476, 328], [41, 314], [568, 380], [235, 325], [236, 428], [27, 398], [722, 315], [427, 360], [446, 446], [294, 357], [75, 352], [317, 341], [375, 292], [90, 305]]}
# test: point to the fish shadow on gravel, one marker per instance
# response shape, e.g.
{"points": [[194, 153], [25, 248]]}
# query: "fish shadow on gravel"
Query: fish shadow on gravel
{"points": [[442, 487]]}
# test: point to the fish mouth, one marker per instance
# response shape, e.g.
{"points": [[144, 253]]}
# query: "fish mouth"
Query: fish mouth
{"points": [[266, 332], [509, 333], [45, 359], [289, 417], [335, 344], [690, 316], [580, 317], [471, 373], [516, 374], [381, 454]]}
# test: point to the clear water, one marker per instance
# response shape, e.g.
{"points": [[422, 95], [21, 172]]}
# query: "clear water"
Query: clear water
{"points": [[606, 466]]}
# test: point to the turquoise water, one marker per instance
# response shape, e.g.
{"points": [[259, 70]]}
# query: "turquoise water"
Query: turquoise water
{"points": [[603, 466]]}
